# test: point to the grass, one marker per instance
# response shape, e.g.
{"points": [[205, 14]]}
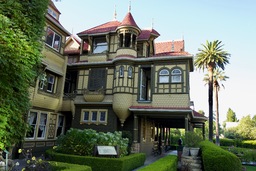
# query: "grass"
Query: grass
{"points": [[250, 168]]}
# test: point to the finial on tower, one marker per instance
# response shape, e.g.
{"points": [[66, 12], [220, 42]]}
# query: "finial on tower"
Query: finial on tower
{"points": [[115, 14], [152, 23], [129, 9]]}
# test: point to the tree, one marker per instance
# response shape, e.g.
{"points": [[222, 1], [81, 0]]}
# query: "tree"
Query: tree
{"points": [[218, 77], [246, 128], [231, 116], [212, 56], [21, 30]]}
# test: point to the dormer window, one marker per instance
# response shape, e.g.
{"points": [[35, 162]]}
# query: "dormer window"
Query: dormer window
{"points": [[53, 13], [53, 39], [100, 45]]}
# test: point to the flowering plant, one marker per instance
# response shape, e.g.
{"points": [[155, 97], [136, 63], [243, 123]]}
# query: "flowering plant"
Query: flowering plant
{"points": [[33, 163]]}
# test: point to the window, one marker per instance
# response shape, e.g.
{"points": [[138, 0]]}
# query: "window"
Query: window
{"points": [[102, 116], [32, 120], [145, 84], [52, 13], [96, 116], [97, 79], [47, 82], [60, 129], [121, 71], [53, 39], [130, 72], [176, 76], [100, 45], [164, 76], [42, 126]]}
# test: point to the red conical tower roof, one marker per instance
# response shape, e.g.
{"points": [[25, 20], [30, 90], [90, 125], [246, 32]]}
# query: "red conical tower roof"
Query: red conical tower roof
{"points": [[129, 21]]}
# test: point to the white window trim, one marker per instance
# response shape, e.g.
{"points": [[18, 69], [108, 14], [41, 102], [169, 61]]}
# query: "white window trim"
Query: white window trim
{"points": [[164, 77], [90, 121], [53, 38], [176, 75]]}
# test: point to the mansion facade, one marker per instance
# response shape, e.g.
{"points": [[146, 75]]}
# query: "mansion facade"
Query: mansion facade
{"points": [[112, 77]]}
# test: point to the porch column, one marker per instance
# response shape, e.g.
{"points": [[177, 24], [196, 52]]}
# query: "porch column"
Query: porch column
{"points": [[135, 129], [186, 124]]}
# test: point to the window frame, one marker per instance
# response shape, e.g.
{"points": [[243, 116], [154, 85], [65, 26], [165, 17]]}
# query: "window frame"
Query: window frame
{"points": [[130, 72], [121, 71], [176, 75], [51, 41], [164, 77], [60, 126], [91, 119], [42, 124], [100, 45]]}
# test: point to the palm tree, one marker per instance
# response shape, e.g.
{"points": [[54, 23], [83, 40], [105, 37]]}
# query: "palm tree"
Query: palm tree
{"points": [[218, 77], [212, 56]]}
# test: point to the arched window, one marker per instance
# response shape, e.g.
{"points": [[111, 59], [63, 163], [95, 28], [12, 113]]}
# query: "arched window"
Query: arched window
{"points": [[121, 71], [176, 76], [164, 76], [130, 72]]}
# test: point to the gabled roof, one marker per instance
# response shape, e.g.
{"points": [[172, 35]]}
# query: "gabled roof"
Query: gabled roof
{"points": [[170, 48], [103, 28], [146, 33], [51, 4]]}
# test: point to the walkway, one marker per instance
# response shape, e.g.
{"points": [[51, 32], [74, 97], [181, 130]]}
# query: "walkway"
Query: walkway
{"points": [[150, 159]]}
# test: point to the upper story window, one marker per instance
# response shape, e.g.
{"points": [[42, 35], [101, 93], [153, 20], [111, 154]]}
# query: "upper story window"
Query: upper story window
{"points": [[100, 45], [53, 13], [53, 39], [97, 79], [130, 72], [121, 71], [47, 82], [164, 76], [176, 76]]}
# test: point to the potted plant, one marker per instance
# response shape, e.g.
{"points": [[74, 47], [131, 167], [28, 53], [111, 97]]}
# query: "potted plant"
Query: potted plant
{"points": [[192, 141]]}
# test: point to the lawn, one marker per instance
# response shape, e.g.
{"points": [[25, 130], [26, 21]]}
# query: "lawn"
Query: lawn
{"points": [[250, 168]]}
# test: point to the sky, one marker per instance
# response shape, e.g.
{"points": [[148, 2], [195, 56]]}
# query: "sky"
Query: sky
{"points": [[231, 21]]}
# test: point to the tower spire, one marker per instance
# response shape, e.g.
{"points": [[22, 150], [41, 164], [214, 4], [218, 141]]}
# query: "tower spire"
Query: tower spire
{"points": [[115, 14], [152, 23], [129, 8]]}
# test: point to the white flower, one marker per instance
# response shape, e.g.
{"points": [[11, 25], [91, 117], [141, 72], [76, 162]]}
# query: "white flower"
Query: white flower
{"points": [[17, 163]]}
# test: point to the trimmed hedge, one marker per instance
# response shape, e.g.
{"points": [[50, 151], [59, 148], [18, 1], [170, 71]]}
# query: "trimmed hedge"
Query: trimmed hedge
{"points": [[60, 166], [238, 143], [168, 163], [126, 163], [215, 158]]}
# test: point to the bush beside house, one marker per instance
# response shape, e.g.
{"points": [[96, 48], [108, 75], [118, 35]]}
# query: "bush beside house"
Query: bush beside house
{"points": [[215, 158], [168, 163], [126, 163]]}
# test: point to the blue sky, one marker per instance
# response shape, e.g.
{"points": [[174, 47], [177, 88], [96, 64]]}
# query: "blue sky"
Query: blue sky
{"points": [[231, 21]]}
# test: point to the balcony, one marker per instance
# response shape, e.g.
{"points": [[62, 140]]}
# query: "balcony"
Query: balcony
{"points": [[94, 96]]}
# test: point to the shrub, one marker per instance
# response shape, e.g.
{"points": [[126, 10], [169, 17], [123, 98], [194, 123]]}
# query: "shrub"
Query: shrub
{"points": [[82, 142], [126, 163], [249, 144], [168, 163], [215, 158], [60, 166]]}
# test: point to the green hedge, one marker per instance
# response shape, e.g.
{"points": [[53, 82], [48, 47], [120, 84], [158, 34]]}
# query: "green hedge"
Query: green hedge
{"points": [[126, 163], [215, 158], [60, 166], [238, 143], [168, 163]]}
